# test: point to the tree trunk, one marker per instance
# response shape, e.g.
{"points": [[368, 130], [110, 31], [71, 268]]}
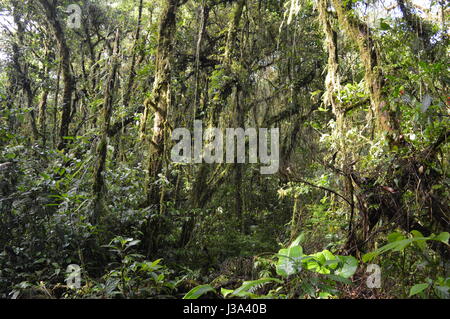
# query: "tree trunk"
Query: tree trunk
{"points": [[99, 183], [160, 103], [50, 12], [360, 33]]}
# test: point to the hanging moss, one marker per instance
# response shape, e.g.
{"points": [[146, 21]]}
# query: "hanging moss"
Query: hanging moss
{"points": [[360, 33]]}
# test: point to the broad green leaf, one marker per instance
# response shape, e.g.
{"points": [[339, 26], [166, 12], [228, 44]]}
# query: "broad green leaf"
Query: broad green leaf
{"points": [[419, 243], [349, 268], [401, 244], [328, 255], [198, 291], [298, 240], [395, 236], [289, 261], [417, 289], [443, 237], [320, 257], [398, 245], [317, 262]]}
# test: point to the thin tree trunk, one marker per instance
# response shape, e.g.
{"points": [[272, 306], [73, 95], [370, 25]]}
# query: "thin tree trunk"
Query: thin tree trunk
{"points": [[99, 182], [20, 65], [55, 107], [204, 12], [42, 109]]}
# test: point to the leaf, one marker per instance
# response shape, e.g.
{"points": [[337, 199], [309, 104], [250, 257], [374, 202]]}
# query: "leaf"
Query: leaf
{"points": [[416, 233], [419, 243], [442, 291], [328, 255], [225, 292], [349, 268], [132, 243], [398, 245], [289, 261], [308, 289], [417, 289], [248, 287], [395, 236], [198, 291], [156, 262], [316, 92], [111, 285], [324, 295], [401, 245], [369, 256], [443, 237], [298, 240]]}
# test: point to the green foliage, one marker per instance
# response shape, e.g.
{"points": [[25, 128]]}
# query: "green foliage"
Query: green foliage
{"points": [[429, 289], [398, 243], [248, 288], [326, 270], [198, 291], [168, 230], [292, 261]]}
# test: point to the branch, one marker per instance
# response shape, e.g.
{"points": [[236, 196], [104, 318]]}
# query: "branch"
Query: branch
{"points": [[300, 180]]}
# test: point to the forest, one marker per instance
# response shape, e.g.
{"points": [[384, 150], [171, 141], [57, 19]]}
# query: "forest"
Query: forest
{"points": [[224, 149]]}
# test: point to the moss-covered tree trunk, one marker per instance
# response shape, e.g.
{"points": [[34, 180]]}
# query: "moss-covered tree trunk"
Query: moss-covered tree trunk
{"points": [[21, 67], [359, 32], [333, 87], [159, 103], [160, 100], [68, 82], [98, 187]]}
